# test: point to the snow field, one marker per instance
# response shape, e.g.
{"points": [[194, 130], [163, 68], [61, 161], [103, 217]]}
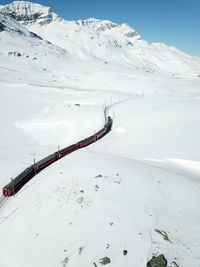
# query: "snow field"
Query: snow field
{"points": [[110, 196]]}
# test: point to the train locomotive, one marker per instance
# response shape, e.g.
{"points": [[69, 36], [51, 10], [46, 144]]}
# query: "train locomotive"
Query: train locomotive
{"points": [[20, 180]]}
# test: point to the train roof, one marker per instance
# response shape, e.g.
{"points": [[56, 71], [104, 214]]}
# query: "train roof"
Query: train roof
{"points": [[100, 131], [66, 148], [19, 177], [43, 160], [87, 139]]}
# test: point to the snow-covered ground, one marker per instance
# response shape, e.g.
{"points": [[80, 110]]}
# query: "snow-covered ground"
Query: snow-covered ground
{"points": [[125, 191], [110, 196]]}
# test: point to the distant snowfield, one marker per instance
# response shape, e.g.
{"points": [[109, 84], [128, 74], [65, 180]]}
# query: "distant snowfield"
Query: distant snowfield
{"points": [[111, 196]]}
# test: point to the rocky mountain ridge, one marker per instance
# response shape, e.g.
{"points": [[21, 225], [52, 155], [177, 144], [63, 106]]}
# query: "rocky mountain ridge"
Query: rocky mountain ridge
{"points": [[102, 40], [8, 24], [28, 13]]}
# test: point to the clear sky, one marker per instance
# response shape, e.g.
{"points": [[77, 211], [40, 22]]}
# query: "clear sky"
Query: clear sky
{"points": [[173, 22]]}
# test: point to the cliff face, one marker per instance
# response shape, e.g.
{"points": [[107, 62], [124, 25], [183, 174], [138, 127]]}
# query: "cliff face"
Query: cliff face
{"points": [[28, 13]]}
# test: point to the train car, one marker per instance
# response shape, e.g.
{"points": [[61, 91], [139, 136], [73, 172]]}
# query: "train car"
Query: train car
{"points": [[108, 124], [18, 182], [101, 133], [63, 152], [43, 163], [109, 119], [87, 141]]}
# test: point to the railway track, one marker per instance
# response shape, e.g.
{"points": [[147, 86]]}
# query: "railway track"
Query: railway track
{"points": [[3, 199], [48, 160], [19, 181]]}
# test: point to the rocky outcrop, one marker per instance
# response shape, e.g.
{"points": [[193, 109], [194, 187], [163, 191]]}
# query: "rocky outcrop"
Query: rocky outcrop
{"points": [[159, 261], [28, 13], [105, 261], [10, 25], [2, 27]]}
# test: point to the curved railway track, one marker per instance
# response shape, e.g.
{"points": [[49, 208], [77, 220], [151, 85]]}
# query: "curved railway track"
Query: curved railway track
{"points": [[19, 181]]}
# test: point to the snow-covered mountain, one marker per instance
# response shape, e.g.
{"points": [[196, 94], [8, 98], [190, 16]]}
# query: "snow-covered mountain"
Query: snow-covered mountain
{"points": [[9, 25], [24, 54], [28, 13], [131, 195], [101, 39]]}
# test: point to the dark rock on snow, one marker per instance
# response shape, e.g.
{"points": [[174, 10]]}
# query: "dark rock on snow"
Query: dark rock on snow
{"points": [[159, 261]]}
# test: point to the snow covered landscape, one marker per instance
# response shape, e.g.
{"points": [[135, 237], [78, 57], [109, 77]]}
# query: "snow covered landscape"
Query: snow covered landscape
{"points": [[129, 196]]}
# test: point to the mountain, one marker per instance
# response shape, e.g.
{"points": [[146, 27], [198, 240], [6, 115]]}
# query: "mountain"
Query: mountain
{"points": [[28, 13], [101, 40], [24, 54], [9, 25]]}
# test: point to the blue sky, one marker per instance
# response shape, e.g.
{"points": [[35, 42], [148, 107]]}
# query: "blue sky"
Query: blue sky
{"points": [[173, 22]]}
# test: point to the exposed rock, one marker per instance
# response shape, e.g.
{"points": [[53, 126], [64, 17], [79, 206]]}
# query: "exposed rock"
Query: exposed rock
{"points": [[164, 234], [2, 27], [105, 261], [80, 250], [99, 176], [159, 261], [34, 35], [96, 187], [9, 24], [107, 246], [29, 13], [97, 24], [15, 53], [174, 264], [66, 259], [125, 252]]}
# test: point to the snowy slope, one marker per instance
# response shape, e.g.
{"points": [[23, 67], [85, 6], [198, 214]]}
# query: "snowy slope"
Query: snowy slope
{"points": [[102, 39], [22, 51], [109, 197]]}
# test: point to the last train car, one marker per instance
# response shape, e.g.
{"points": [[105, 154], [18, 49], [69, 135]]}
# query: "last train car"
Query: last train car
{"points": [[18, 182]]}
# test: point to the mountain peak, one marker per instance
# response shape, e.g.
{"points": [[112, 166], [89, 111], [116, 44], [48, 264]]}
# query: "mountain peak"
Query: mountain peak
{"points": [[28, 13], [96, 24], [10, 25], [103, 25]]}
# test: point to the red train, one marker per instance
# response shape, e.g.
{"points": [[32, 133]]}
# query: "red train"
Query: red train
{"points": [[17, 183]]}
